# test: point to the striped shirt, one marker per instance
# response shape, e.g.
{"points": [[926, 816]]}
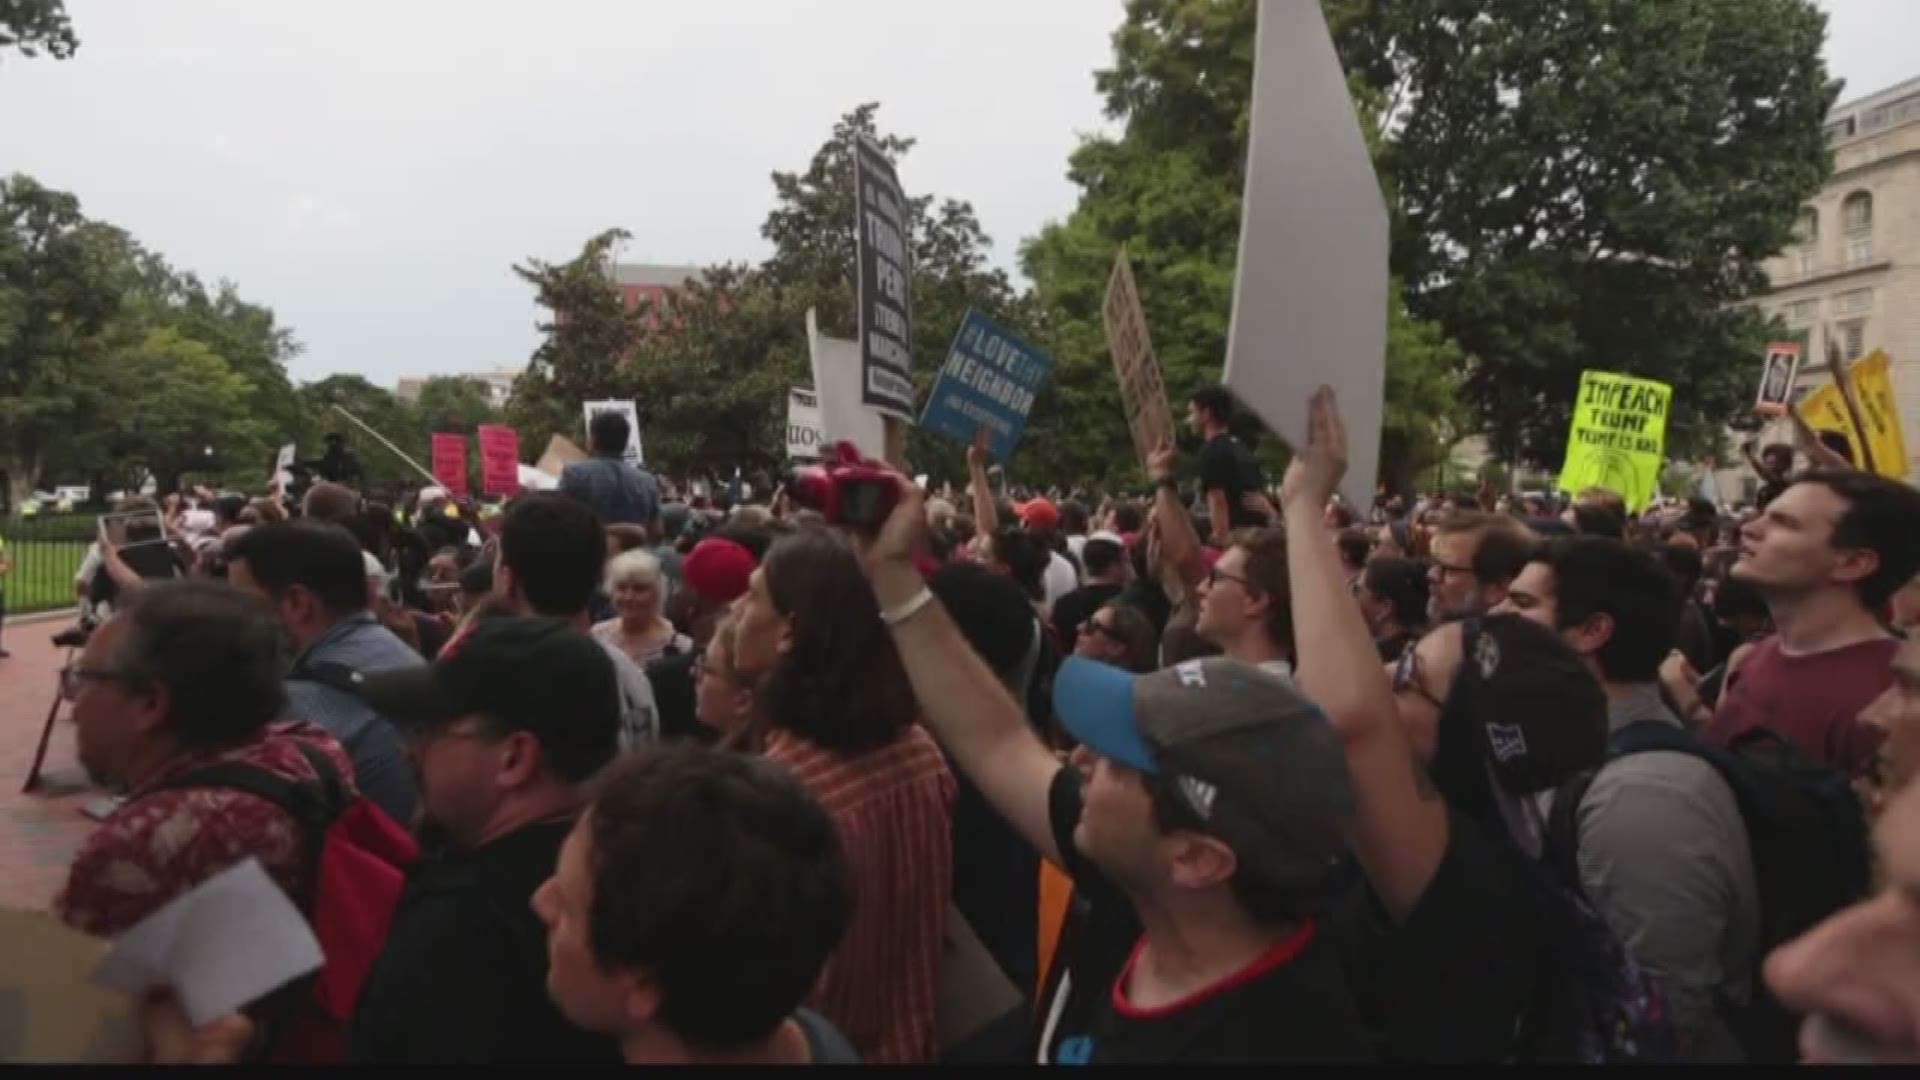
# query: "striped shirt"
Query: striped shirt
{"points": [[894, 811]]}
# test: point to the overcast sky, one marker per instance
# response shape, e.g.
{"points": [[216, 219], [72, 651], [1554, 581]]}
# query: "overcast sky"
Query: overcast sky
{"points": [[371, 169]]}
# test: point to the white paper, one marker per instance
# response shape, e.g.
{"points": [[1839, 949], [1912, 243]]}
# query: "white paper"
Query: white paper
{"points": [[836, 380], [1310, 294], [636, 453], [285, 459], [221, 947], [533, 479], [803, 424]]}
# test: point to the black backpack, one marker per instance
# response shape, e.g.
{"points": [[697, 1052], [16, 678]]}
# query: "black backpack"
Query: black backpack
{"points": [[1808, 836]]}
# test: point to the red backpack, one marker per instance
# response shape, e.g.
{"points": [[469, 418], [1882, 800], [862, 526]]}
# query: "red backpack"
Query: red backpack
{"points": [[357, 858]]}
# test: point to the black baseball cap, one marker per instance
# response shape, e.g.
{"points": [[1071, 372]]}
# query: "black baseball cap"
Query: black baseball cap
{"points": [[536, 675], [1524, 703], [1251, 756]]}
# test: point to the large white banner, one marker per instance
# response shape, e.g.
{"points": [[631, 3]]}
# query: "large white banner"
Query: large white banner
{"points": [[837, 368], [634, 453], [803, 423], [1310, 295]]}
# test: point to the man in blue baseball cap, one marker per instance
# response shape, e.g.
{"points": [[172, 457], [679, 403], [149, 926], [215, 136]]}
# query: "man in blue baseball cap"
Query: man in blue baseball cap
{"points": [[1199, 820]]}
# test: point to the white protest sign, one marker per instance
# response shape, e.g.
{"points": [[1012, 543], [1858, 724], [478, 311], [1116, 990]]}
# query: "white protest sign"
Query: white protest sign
{"points": [[1310, 293], [635, 454], [837, 369], [803, 423]]}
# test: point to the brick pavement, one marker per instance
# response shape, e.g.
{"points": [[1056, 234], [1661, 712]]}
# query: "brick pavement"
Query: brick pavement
{"points": [[39, 831]]}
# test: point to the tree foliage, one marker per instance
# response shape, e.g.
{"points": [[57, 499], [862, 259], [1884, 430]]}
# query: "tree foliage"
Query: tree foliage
{"points": [[1593, 184], [1169, 189], [33, 25]]}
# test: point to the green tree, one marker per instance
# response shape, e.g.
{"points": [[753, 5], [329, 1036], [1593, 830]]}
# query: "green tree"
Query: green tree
{"points": [[1593, 184], [1169, 189], [33, 25], [588, 339], [378, 408], [192, 415], [59, 288]]}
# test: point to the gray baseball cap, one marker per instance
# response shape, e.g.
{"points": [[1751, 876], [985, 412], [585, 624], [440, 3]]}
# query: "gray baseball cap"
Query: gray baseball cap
{"points": [[1249, 755]]}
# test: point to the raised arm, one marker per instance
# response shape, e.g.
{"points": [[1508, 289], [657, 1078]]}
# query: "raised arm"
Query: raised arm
{"points": [[1400, 832], [1179, 544], [1820, 454], [961, 699], [986, 516]]}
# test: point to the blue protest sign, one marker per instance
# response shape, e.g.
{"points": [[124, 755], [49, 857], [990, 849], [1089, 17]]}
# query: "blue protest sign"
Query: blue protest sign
{"points": [[990, 380]]}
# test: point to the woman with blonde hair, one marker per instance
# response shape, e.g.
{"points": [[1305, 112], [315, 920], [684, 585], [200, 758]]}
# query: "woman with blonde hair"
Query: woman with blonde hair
{"points": [[639, 630]]}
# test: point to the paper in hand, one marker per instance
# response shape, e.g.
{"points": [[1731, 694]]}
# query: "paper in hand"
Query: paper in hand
{"points": [[219, 948]]}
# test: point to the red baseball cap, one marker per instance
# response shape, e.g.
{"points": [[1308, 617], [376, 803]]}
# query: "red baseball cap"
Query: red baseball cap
{"points": [[718, 569], [1038, 514]]}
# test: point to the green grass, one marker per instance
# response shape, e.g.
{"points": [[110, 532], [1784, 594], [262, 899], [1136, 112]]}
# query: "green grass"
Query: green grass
{"points": [[42, 575]]}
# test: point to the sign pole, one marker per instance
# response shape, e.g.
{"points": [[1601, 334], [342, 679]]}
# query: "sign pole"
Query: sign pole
{"points": [[1847, 395], [432, 479]]}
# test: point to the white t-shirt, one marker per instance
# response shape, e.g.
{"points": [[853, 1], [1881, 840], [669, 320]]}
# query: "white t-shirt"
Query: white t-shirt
{"points": [[639, 716], [1059, 579], [1078, 545]]}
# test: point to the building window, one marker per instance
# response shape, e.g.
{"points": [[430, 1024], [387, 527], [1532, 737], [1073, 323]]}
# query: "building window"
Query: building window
{"points": [[1807, 263], [1802, 312], [1856, 214], [1859, 251], [1853, 339], [1809, 228], [1854, 302], [1840, 129]]}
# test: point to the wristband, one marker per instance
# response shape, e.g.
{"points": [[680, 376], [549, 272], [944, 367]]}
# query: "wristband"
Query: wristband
{"points": [[896, 616], [1167, 482]]}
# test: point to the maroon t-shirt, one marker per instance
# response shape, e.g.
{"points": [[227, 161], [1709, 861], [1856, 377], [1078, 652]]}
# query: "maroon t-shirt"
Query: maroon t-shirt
{"points": [[1814, 701]]}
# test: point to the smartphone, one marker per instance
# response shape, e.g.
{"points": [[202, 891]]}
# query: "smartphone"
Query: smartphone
{"points": [[133, 529]]}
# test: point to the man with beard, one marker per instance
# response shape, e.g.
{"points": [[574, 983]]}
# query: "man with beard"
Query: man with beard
{"points": [[505, 733]]}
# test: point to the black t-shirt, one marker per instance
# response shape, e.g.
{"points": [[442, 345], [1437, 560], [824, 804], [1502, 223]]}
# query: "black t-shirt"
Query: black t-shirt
{"points": [[1228, 466], [1290, 1005], [463, 974], [1454, 981], [1074, 608]]}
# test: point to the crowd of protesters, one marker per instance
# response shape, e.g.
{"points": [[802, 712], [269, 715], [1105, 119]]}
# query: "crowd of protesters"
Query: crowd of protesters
{"points": [[1216, 772]]}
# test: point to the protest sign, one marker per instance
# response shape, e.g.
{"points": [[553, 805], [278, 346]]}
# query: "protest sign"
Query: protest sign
{"points": [[1310, 292], [450, 462], [1619, 436], [1776, 378], [561, 452], [836, 382], [884, 277], [634, 452], [803, 423], [1142, 393], [1826, 410], [1872, 379], [990, 380], [499, 460], [532, 479]]}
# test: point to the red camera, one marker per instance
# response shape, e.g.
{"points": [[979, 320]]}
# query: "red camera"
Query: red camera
{"points": [[847, 489]]}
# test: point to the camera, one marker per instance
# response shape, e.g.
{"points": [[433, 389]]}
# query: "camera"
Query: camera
{"points": [[846, 489]]}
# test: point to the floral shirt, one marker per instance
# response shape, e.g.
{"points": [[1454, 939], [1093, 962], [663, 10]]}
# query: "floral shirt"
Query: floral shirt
{"points": [[159, 845]]}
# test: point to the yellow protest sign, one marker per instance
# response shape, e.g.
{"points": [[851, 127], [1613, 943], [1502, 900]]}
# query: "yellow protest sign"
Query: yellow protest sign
{"points": [[1880, 414], [1619, 436]]}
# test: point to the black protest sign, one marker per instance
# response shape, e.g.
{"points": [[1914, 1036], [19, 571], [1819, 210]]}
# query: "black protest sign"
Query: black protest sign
{"points": [[885, 274]]}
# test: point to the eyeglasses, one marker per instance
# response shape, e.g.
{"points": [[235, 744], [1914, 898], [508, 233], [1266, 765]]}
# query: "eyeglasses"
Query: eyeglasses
{"points": [[73, 676], [1406, 678], [419, 738], [1449, 568], [1215, 577], [1095, 626]]}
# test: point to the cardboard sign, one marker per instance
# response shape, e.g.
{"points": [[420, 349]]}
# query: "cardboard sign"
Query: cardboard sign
{"points": [[49, 1011], [499, 460], [1310, 292], [1142, 393], [1776, 378], [561, 452], [884, 275], [837, 380], [990, 380], [803, 424], [450, 462], [1619, 436], [634, 452]]}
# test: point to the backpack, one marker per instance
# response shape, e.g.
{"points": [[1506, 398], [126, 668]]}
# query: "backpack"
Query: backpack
{"points": [[356, 859], [1808, 836], [1596, 1005]]}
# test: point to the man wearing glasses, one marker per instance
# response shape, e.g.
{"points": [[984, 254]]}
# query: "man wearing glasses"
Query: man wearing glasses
{"points": [[1475, 557]]}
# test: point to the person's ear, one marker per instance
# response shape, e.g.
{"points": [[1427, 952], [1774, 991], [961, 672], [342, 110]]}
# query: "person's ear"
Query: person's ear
{"points": [[1855, 565], [786, 639], [519, 759], [1591, 634], [1198, 861], [640, 997]]}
